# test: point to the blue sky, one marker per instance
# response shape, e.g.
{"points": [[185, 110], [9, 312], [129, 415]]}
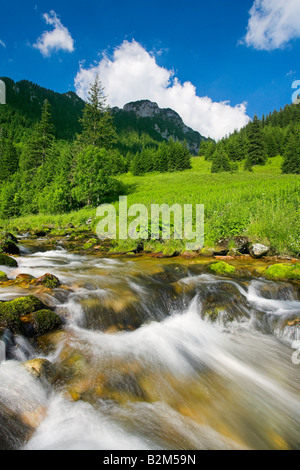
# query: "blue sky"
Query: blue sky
{"points": [[192, 56]]}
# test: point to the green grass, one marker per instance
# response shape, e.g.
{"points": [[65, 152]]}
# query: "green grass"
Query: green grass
{"points": [[263, 204]]}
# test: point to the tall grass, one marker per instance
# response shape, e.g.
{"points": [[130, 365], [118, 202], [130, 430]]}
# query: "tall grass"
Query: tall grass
{"points": [[263, 204]]}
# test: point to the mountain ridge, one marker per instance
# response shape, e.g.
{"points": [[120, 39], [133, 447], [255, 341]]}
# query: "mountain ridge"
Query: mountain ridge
{"points": [[144, 116]]}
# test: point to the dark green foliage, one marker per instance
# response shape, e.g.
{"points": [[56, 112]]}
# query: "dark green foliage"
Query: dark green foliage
{"points": [[97, 124], [9, 158], [168, 157], [221, 161], [93, 177], [256, 144], [291, 163], [159, 127]]}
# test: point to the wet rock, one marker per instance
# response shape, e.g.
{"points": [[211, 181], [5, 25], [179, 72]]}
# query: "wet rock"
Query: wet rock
{"points": [[44, 321], [13, 431], [279, 291], [48, 280], [6, 260], [12, 312], [257, 250], [41, 369], [223, 302]]}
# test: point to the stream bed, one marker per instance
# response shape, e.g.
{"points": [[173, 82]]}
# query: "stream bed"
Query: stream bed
{"points": [[153, 354]]}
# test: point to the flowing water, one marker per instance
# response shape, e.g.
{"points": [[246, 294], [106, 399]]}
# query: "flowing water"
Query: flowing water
{"points": [[154, 354]]}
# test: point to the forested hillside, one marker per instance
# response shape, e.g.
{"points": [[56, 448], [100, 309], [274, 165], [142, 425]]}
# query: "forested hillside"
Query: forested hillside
{"points": [[58, 153], [275, 134]]}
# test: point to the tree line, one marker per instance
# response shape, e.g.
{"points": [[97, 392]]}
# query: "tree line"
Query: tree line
{"points": [[273, 135]]}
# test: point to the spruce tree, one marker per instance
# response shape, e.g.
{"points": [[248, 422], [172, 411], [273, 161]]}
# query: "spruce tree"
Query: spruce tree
{"points": [[256, 144], [221, 161], [97, 124], [40, 143], [291, 162]]}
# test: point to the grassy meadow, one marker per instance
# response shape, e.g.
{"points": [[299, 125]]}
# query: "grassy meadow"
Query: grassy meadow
{"points": [[263, 204]]}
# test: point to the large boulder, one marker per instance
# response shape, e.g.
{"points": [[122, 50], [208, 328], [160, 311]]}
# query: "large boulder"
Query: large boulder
{"points": [[257, 250], [29, 316], [13, 311], [7, 261], [283, 272]]}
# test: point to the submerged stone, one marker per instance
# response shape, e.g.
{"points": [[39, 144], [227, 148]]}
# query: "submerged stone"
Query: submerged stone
{"points": [[41, 369]]}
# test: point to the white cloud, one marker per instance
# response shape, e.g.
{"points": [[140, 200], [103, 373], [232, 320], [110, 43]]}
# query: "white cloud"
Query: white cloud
{"points": [[2, 44], [133, 74], [273, 23], [57, 39]]}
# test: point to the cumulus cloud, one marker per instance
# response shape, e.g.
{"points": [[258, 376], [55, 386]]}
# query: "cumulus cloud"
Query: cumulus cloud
{"points": [[57, 39], [273, 23], [132, 74]]}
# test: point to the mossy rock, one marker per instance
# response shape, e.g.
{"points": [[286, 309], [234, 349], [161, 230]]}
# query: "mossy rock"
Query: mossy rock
{"points": [[8, 244], [7, 261], [170, 252], [48, 280], [45, 321], [3, 277], [221, 267], [12, 311], [283, 272]]}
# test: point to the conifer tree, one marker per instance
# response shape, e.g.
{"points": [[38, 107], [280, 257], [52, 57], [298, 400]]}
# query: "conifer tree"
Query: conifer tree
{"points": [[97, 124], [256, 145], [291, 162], [40, 144]]}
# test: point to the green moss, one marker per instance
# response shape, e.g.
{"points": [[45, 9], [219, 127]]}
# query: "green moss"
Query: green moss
{"points": [[12, 311], [45, 321], [48, 280], [3, 277], [88, 245], [8, 261], [221, 267], [283, 272]]}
